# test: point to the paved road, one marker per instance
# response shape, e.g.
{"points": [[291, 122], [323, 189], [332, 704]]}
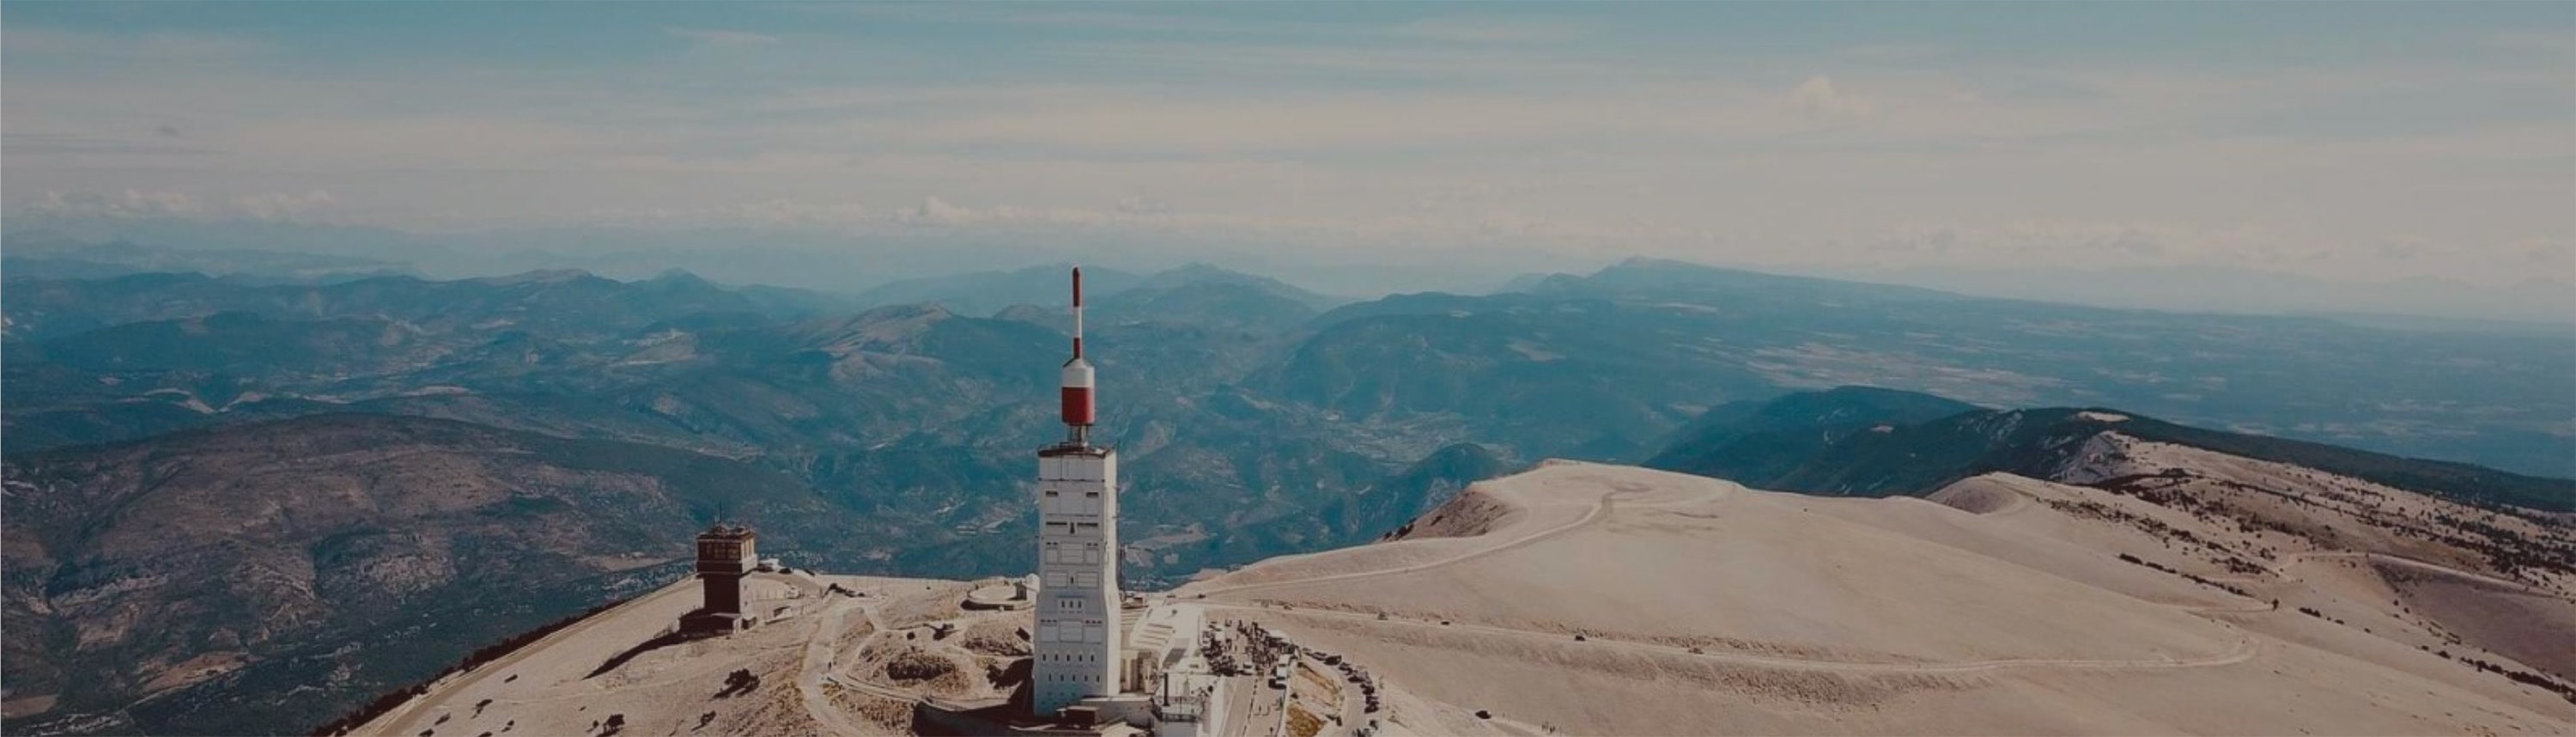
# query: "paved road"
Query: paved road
{"points": [[1264, 709], [2243, 650], [1251, 707], [1599, 509], [802, 581], [2282, 570], [1352, 702], [1345, 716]]}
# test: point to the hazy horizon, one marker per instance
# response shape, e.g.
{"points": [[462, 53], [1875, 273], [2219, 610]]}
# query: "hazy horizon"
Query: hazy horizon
{"points": [[2377, 158], [844, 264]]}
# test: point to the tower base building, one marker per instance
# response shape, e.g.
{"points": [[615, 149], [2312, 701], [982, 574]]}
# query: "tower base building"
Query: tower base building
{"points": [[1077, 640]]}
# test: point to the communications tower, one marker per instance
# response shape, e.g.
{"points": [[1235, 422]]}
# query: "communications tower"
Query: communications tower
{"points": [[1077, 639]]}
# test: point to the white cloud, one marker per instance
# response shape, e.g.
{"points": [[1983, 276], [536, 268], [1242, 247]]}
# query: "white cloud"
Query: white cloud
{"points": [[933, 211], [129, 203], [138, 203], [2099, 245], [285, 206], [1141, 205], [2556, 256], [775, 212], [1818, 101]]}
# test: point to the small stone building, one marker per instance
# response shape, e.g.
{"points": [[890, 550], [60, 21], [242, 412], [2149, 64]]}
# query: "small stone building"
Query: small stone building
{"points": [[725, 554]]}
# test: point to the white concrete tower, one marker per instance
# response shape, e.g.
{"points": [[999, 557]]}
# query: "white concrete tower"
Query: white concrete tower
{"points": [[1077, 635]]}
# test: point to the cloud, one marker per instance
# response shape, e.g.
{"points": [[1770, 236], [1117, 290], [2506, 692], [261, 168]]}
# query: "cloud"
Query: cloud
{"points": [[2101, 245], [130, 203], [285, 206], [2402, 248], [776, 212], [1818, 101], [2558, 253], [933, 211], [1141, 205], [723, 37], [1294, 122], [140, 203]]}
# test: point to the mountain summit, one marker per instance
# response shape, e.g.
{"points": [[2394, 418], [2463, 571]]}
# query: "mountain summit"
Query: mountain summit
{"points": [[1597, 599]]}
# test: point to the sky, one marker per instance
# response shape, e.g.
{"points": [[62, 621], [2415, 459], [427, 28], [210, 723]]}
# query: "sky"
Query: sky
{"points": [[2350, 141]]}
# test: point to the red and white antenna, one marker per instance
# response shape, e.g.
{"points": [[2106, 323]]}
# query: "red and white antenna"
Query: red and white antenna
{"points": [[1078, 408]]}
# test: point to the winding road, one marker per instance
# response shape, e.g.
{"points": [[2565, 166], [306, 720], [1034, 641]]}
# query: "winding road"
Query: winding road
{"points": [[2243, 650], [1600, 508], [819, 655]]}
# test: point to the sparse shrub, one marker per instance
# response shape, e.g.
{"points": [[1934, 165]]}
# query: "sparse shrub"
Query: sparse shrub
{"points": [[915, 665]]}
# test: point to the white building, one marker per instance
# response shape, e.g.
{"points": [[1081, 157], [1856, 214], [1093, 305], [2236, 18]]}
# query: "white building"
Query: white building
{"points": [[1182, 683], [1079, 650], [1077, 637]]}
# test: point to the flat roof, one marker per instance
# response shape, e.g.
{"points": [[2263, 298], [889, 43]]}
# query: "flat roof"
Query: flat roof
{"points": [[728, 532], [1060, 450]]}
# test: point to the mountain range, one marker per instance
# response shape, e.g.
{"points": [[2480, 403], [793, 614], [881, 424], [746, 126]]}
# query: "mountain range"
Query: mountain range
{"points": [[1866, 441], [890, 432]]}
